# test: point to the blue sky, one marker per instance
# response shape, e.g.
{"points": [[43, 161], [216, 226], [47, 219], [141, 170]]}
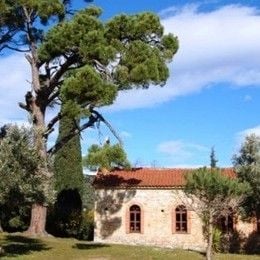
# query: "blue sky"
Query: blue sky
{"points": [[212, 97]]}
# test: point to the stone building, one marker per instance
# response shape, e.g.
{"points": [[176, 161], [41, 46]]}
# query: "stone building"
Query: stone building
{"points": [[149, 207]]}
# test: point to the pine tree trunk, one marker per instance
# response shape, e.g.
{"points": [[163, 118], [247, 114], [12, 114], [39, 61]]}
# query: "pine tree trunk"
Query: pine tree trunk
{"points": [[39, 209], [210, 239], [37, 104], [38, 220]]}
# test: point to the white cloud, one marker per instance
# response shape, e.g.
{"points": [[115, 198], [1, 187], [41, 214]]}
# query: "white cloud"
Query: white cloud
{"points": [[220, 46], [180, 152], [247, 98], [240, 136], [254, 130], [215, 47], [14, 71], [125, 134]]}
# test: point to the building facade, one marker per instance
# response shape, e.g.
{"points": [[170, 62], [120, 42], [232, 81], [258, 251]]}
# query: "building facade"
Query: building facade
{"points": [[149, 207]]}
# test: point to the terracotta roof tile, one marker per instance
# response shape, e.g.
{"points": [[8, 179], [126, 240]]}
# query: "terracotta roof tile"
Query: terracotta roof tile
{"points": [[147, 177]]}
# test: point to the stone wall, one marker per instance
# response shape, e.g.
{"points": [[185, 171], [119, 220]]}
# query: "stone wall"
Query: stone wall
{"points": [[158, 206]]}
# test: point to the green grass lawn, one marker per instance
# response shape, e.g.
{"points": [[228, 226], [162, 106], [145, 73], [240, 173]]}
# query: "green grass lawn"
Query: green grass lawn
{"points": [[20, 247]]}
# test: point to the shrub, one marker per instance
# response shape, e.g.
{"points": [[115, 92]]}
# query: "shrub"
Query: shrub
{"points": [[86, 231], [217, 237]]}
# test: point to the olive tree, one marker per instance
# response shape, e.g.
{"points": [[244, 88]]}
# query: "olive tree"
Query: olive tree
{"points": [[212, 193]]}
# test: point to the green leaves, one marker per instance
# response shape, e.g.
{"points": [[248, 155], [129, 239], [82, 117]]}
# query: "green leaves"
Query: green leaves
{"points": [[19, 163], [17, 16], [68, 170], [128, 51], [247, 165], [106, 156], [142, 48], [85, 85], [82, 35], [212, 186]]}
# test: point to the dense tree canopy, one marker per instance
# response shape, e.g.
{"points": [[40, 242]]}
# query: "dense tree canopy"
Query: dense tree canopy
{"points": [[69, 182], [68, 171], [213, 159], [212, 194], [106, 157], [19, 161], [247, 165]]}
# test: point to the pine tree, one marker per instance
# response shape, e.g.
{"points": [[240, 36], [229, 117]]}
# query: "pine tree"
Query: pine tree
{"points": [[83, 61], [213, 160], [106, 157]]}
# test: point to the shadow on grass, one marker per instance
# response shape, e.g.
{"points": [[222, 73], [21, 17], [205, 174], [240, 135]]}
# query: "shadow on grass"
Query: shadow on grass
{"points": [[15, 245], [86, 246]]}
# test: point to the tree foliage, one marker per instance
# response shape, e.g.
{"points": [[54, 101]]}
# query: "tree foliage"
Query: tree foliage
{"points": [[212, 194], [247, 166], [69, 182], [212, 188], [213, 159], [106, 156], [20, 184], [68, 171], [19, 162]]}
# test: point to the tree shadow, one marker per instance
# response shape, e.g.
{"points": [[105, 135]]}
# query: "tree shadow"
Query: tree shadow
{"points": [[232, 242], [16, 245], [64, 218], [86, 246], [110, 199]]}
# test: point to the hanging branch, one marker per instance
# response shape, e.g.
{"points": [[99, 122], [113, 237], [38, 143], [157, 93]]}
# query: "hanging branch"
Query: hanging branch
{"points": [[102, 119], [94, 118]]}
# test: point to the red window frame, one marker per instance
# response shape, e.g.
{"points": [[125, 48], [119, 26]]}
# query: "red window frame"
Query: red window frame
{"points": [[135, 219], [181, 219]]}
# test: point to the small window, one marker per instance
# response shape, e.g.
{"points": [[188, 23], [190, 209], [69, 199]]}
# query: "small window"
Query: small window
{"points": [[181, 219], [135, 219]]}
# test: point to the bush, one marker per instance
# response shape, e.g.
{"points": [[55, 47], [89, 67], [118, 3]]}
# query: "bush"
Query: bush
{"points": [[217, 237], [64, 217], [86, 231], [15, 215], [232, 242]]}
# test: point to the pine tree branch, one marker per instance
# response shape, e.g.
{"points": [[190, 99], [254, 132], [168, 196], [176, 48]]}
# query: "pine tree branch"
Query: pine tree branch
{"points": [[94, 118], [28, 101], [102, 119], [6, 46], [51, 124], [60, 72], [103, 70], [23, 106], [53, 97]]}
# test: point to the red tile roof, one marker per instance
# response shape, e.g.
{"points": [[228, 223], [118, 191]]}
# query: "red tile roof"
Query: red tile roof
{"points": [[147, 177]]}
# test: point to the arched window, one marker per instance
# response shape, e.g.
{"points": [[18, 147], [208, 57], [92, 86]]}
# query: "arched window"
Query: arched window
{"points": [[181, 223], [226, 221], [135, 219]]}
